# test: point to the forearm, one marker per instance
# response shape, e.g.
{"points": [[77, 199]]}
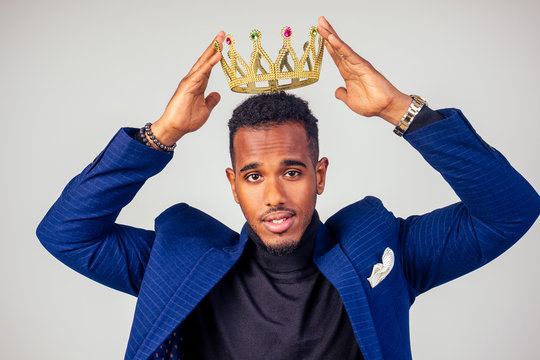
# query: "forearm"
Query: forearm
{"points": [[497, 206], [104, 187], [491, 189], [80, 228]]}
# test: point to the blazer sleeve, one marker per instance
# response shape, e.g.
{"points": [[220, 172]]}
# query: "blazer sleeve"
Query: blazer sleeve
{"points": [[80, 228], [497, 206]]}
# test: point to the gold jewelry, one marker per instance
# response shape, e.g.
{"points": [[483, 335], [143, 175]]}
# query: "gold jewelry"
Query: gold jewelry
{"points": [[406, 120], [256, 78]]}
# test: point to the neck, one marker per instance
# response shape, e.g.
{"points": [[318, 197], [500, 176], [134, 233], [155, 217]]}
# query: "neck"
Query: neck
{"points": [[300, 258]]}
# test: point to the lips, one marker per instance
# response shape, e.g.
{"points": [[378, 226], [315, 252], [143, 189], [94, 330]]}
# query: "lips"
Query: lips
{"points": [[278, 221]]}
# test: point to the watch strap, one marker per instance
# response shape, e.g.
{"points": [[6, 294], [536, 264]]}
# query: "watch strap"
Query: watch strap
{"points": [[415, 107]]}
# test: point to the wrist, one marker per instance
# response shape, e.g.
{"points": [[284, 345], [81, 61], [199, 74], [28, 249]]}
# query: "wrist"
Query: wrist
{"points": [[414, 109], [166, 133], [149, 140], [146, 136], [393, 113]]}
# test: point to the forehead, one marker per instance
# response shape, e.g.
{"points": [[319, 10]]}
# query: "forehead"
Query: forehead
{"points": [[270, 144]]}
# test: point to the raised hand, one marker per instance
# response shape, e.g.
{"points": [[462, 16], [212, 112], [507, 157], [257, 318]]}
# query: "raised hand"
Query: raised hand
{"points": [[189, 109], [366, 91]]}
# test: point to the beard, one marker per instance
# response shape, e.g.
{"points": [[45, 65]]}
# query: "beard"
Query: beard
{"points": [[280, 246], [283, 244], [282, 249]]}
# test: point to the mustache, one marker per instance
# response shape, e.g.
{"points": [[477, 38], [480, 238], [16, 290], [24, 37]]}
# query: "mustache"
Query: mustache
{"points": [[276, 209]]}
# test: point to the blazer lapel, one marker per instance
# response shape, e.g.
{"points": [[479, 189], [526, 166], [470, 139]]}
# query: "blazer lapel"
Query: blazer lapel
{"points": [[215, 263], [208, 271], [338, 269]]}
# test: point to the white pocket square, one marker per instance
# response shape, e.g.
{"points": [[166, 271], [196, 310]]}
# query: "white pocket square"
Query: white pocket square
{"points": [[380, 271]]}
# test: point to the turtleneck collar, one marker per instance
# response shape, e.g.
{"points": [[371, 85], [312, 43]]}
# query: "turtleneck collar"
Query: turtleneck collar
{"points": [[300, 258]]}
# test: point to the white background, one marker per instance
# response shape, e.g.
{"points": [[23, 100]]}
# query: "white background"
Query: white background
{"points": [[72, 72]]}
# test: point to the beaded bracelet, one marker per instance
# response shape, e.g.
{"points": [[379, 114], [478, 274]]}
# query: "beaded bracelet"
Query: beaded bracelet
{"points": [[146, 130]]}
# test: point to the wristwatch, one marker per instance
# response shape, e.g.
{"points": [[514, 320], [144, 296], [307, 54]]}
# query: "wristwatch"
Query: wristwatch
{"points": [[416, 105]]}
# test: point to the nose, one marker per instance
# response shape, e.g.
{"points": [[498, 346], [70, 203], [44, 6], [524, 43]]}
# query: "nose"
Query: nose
{"points": [[274, 193]]}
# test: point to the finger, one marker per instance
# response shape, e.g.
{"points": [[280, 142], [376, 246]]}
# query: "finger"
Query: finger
{"points": [[212, 100], [327, 28], [205, 68], [336, 57], [324, 22], [326, 31], [197, 80], [210, 51], [329, 34], [340, 46], [323, 31], [339, 55], [333, 53], [213, 60], [341, 94]]}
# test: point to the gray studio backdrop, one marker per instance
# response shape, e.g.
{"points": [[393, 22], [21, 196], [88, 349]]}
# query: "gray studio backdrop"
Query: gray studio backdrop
{"points": [[73, 72]]}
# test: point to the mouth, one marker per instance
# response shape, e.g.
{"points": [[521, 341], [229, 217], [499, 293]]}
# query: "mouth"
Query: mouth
{"points": [[279, 221]]}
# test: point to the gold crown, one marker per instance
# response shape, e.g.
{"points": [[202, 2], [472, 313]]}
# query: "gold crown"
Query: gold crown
{"points": [[255, 78]]}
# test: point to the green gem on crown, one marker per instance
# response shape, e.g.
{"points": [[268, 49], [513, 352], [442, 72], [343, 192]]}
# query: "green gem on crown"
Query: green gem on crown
{"points": [[263, 73]]}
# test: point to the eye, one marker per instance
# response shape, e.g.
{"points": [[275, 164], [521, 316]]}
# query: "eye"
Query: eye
{"points": [[253, 177], [292, 173]]}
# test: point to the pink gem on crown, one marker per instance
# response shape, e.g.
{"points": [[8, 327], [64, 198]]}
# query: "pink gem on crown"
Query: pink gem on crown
{"points": [[262, 74], [287, 32]]}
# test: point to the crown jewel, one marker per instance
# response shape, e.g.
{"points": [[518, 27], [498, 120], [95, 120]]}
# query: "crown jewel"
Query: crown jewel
{"points": [[263, 75]]}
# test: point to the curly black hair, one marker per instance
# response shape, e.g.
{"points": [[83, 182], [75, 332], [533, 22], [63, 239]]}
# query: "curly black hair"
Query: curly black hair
{"points": [[272, 109]]}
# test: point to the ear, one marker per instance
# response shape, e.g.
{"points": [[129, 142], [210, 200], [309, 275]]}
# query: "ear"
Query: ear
{"points": [[320, 171], [232, 180]]}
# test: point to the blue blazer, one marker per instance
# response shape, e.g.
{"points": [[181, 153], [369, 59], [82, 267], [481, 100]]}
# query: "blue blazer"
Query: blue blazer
{"points": [[171, 269]]}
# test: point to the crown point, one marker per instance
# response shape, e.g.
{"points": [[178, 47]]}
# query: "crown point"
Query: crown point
{"points": [[255, 35], [255, 78], [287, 32]]}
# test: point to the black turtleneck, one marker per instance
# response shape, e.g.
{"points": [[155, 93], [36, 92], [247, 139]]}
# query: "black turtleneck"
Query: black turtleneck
{"points": [[271, 306], [274, 307]]}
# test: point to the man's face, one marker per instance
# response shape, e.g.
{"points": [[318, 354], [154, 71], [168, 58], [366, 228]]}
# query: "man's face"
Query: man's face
{"points": [[276, 183]]}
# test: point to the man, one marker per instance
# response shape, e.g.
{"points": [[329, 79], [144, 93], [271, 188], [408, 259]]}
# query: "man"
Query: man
{"points": [[288, 286]]}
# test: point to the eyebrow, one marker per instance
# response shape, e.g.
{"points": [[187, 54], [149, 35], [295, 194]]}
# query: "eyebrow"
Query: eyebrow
{"points": [[249, 167], [286, 162]]}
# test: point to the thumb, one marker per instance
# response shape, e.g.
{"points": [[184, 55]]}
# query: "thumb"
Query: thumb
{"points": [[341, 94], [212, 100]]}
